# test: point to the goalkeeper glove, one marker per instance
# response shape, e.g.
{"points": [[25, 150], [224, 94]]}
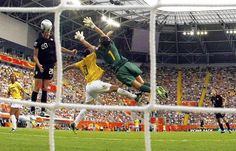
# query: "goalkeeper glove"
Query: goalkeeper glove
{"points": [[88, 22], [79, 35]]}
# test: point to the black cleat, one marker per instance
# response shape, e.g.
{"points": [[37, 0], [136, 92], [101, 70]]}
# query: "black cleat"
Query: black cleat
{"points": [[139, 96], [42, 114], [222, 132], [166, 95], [72, 126], [12, 130]]}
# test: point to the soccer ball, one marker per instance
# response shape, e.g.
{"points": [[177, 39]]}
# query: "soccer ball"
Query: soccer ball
{"points": [[46, 25]]}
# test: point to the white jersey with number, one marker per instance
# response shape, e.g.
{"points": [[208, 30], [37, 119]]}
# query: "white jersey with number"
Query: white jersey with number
{"points": [[94, 88]]}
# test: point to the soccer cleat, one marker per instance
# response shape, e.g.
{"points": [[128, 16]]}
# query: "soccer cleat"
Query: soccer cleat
{"points": [[161, 92], [229, 131], [12, 130], [42, 114], [222, 132], [72, 126], [139, 96]]}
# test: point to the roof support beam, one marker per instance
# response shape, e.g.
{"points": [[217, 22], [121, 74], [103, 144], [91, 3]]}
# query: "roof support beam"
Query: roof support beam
{"points": [[229, 37]]}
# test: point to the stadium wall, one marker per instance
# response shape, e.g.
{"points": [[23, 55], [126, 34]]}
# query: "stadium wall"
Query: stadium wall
{"points": [[17, 31]]}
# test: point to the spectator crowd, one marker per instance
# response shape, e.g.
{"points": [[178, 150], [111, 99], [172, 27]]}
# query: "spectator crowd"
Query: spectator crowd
{"points": [[222, 78]]}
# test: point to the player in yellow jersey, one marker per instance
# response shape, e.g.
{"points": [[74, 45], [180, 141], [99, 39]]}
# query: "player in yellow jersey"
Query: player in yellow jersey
{"points": [[15, 91], [136, 125], [93, 73]]}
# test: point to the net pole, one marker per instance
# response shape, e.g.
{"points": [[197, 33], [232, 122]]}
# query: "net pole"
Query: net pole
{"points": [[152, 45], [52, 131], [58, 54], [59, 78], [147, 135]]}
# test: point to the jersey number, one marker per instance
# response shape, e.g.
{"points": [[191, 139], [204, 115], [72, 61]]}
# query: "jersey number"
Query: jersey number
{"points": [[85, 70], [44, 46], [50, 71], [112, 56]]}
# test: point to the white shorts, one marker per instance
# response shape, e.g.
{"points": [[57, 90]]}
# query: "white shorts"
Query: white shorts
{"points": [[94, 88]]}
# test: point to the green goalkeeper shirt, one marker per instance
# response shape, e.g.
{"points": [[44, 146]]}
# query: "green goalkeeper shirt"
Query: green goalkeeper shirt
{"points": [[111, 56]]}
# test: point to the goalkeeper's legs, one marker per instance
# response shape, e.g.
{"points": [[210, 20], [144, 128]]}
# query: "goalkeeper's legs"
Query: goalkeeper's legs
{"points": [[139, 84]]}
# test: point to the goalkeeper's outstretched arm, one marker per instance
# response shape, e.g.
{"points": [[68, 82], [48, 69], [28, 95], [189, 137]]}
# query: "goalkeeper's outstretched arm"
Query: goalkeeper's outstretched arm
{"points": [[80, 36], [109, 33], [89, 23]]}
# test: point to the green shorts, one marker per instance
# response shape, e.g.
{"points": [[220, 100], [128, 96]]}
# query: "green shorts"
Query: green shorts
{"points": [[127, 73]]}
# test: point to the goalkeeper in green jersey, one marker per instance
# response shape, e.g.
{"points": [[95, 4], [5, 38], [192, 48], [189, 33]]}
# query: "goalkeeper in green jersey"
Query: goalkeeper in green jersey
{"points": [[126, 72]]}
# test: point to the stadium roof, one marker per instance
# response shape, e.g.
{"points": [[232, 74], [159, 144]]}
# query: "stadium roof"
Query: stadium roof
{"points": [[171, 22], [168, 15], [178, 15]]}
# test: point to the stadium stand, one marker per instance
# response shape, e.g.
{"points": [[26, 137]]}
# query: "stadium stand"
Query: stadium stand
{"points": [[73, 92]]}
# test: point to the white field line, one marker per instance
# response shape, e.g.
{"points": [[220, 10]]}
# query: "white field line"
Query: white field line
{"points": [[77, 137]]}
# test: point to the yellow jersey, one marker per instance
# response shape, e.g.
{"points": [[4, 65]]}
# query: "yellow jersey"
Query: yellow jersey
{"points": [[15, 90], [89, 68], [136, 122]]}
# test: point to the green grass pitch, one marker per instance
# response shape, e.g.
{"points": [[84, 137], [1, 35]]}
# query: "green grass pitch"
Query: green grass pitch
{"points": [[37, 140]]}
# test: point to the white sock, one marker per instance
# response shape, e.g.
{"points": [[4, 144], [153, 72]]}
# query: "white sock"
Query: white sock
{"points": [[13, 120], [126, 93], [80, 116]]}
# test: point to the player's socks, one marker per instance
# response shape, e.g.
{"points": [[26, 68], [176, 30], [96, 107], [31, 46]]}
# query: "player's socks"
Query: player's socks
{"points": [[145, 88], [80, 116], [139, 96], [228, 127], [221, 127], [33, 99], [44, 99], [147, 84], [13, 120], [126, 93], [78, 119], [72, 126]]}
